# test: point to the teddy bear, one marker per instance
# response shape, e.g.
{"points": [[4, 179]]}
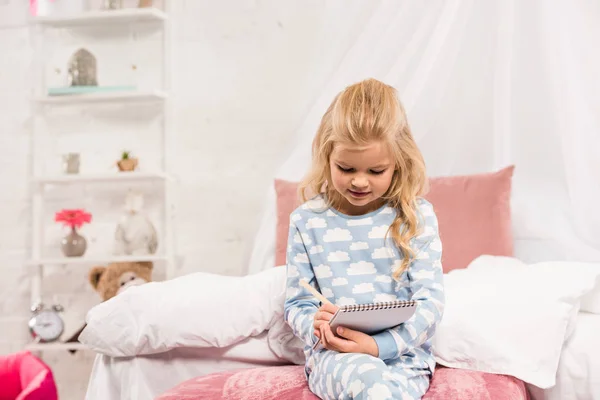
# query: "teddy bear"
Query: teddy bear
{"points": [[117, 277], [114, 279]]}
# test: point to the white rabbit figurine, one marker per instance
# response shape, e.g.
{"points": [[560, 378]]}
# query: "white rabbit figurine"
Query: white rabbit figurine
{"points": [[135, 234]]}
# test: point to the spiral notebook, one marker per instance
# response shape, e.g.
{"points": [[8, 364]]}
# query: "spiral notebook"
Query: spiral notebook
{"points": [[372, 318]]}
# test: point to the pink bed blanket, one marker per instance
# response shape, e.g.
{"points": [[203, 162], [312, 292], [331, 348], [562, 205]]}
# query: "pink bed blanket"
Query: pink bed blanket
{"points": [[288, 382]]}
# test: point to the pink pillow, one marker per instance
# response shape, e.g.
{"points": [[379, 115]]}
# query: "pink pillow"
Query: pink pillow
{"points": [[287, 201], [473, 212]]}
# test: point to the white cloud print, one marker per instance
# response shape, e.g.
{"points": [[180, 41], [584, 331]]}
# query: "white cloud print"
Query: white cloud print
{"points": [[339, 282], [384, 298], [316, 222], [301, 258], [383, 279], [292, 291], [323, 271], [363, 288], [380, 391], [292, 271], [361, 221], [378, 232], [427, 211], [327, 292], [345, 301], [362, 268], [296, 217], [316, 249], [382, 252], [436, 245], [302, 239], [423, 274], [337, 235], [338, 256], [359, 246], [428, 231], [314, 204]]}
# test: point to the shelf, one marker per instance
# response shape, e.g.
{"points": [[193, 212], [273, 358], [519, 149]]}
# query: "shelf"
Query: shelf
{"points": [[100, 178], [95, 260], [56, 346], [120, 97], [102, 17]]}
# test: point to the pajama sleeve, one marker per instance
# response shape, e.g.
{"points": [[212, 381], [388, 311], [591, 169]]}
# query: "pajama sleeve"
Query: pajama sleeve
{"points": [[425, 275], [300, 306]]}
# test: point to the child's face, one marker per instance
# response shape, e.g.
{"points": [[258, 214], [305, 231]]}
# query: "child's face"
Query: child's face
{"points": [[361, 174]]}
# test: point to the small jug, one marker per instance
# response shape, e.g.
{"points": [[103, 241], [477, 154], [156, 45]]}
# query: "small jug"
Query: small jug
{"points": [[71, 163]]}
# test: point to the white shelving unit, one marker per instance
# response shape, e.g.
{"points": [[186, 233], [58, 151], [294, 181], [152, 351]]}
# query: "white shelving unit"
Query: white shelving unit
{"points": [[92, 260], [40, 181], [114, 98], [55, 346], [108, 177], [101, 17]]}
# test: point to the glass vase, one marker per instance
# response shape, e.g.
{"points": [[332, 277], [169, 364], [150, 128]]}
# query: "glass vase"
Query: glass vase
{"points": [[73, 245]]}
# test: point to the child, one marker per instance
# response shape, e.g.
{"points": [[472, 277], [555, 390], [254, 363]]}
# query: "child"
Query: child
{"points": [[365, 237]]}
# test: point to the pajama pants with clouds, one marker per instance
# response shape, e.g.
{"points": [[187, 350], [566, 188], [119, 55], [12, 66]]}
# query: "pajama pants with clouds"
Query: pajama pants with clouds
{"points": [[336, 376]]}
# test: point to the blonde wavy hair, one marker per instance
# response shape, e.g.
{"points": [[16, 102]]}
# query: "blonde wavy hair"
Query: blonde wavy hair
{"points": [[362, 113]]}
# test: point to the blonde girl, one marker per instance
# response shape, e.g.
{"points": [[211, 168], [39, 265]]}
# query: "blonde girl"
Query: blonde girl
{"points": [[364, 235]]}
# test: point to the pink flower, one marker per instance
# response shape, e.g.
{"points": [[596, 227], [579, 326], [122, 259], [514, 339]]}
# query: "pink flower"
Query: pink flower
{"points": [[73, 218]]}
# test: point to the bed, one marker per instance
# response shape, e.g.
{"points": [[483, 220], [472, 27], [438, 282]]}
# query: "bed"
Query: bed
{"points": [[251, 366], [147, 377]]}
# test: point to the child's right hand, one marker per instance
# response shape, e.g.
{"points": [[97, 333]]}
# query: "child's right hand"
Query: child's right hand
{"points": [[322, 316]]}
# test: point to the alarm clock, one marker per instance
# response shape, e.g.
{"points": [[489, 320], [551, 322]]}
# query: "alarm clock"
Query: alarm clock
{"points": [[46, 324]]}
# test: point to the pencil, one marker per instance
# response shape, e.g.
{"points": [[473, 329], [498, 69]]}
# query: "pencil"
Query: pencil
{"points": [[314, 292]]}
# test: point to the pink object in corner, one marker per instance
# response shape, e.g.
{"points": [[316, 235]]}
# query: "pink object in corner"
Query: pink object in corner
{"points": [[289, 383], [473, 212], [23, 376]]}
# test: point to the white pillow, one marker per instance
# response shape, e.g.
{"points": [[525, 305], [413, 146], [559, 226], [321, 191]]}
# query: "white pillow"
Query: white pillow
{"points": [[195, 310], [506, 317]]}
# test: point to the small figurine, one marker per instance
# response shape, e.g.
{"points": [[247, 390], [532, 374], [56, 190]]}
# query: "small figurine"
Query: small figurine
{"points": [[82, 69], [135, 234]]}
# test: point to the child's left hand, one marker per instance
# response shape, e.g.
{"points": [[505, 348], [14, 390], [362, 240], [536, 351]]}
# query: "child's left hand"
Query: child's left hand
{"points": [[351, 341]]}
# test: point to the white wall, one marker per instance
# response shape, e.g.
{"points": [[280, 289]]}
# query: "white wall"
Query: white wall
{"points": [[244, 75]]}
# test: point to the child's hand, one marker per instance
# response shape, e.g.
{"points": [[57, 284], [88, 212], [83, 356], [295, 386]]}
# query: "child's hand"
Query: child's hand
{"points": [[351, 341], [323, 315]]}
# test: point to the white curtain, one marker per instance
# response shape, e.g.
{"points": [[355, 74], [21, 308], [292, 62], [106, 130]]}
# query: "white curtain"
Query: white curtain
{"points": [[487, 84]]}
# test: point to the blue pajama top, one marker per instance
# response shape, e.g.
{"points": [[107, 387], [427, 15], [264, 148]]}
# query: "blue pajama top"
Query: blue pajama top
{"points": [[350, 260]]}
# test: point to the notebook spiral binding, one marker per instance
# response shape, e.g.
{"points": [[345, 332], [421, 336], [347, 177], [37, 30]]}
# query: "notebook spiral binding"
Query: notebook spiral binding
{"points": [[379, 306]]}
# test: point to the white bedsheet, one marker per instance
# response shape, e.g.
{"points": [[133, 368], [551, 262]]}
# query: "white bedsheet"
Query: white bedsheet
{"points": [[146, 377], [578, 376]]}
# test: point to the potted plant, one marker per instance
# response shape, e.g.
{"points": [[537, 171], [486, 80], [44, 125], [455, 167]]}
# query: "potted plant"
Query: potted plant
{"points": [[73, 245], [127, 163]]}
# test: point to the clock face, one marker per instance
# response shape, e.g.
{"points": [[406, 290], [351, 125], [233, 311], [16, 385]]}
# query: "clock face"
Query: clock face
{"points": [[46, 325]]}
